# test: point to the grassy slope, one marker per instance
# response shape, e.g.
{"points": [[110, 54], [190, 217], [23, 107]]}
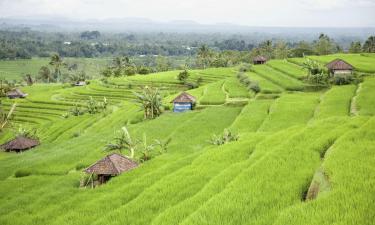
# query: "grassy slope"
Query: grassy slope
{"points": [[260, 179]]}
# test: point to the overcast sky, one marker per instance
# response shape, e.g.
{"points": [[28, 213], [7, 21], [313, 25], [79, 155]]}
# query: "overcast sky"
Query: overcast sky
{"points": [[302, 13]]}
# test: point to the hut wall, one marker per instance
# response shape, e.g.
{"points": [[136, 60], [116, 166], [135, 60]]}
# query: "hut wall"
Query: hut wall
{"points": [[342, 72], [182, 107]]}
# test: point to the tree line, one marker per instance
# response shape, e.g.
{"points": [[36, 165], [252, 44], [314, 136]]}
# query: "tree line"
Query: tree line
{"points": [[24, 44]]}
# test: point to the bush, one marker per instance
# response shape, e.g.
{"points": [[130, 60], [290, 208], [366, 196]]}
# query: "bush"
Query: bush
{"points": [[191, 85], [226, 137], [245, 67], [254, 87], [183, 76], [80, 166], [22, 173], [144, 70], [76, 110], [342, 79]]}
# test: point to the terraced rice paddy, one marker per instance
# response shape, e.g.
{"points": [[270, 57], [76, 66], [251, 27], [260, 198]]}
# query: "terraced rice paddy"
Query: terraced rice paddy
{"points": [[286, 137]]}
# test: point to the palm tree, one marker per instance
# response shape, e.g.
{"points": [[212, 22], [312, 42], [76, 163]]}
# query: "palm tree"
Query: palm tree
{"points": [[6, 117], [45, 74], [123, 141], [204, 55], [151, 102], [57, 63]]}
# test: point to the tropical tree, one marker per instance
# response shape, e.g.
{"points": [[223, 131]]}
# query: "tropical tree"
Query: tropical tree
{"points": [[123, 141], [324, 45], [369, 45], [150, 101], [355, 47], [204, 56], [5, 117], [45, 75], [183, 76], [312, 67], [57, 63]]}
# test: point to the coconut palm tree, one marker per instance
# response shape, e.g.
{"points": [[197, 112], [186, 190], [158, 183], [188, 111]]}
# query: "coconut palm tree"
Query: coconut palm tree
{"points": [[123, 141], [150, 101], [5, 117], [44, 74], [204, 56], [57, 63]]}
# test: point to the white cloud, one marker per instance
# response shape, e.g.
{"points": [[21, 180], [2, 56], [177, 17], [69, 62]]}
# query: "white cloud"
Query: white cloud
{"points": [[247, 12]]}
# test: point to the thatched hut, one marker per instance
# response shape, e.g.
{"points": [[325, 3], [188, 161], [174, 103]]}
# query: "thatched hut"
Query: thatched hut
{"points": [[339, 66], [259, 60], [19, 144], [111, 165], [183, 102], [16, 93]]}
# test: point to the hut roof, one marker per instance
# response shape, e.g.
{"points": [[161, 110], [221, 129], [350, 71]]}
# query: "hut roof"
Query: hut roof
{"points": [[20, 143], [184, 97], [112, 164], [260, 58], [339, 64], [16, 93]]}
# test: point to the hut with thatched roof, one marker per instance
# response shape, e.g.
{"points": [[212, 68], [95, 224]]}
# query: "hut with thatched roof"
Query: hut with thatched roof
{"points": [[259, 60], [183, 102], [20, 144], [339, 66], [16, 93], [111, 165]]}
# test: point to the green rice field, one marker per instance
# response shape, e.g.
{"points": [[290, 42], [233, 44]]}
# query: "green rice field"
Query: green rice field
{"points": [[292, 144]]}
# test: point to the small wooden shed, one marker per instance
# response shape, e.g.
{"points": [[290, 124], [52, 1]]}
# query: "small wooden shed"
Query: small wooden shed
{"points": [[20, 144], [339, 66], [183, 102], [80, 83], [259, 60], [16, 93], [111, 165]]}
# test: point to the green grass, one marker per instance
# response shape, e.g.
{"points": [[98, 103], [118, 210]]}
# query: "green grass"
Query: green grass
{"points": [[287, 140], [235, 89], [213, 94], [266, 86], [290, 110], [288, 68], [278, 78], [336, 102], [16, 69], [365, 100]]}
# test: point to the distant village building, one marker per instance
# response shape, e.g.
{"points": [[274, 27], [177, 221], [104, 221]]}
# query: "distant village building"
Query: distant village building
{"points": [[80, 83], [339, 66], [111, 165], [259, 60], [20, 144], [183, 102], [16, 93]]}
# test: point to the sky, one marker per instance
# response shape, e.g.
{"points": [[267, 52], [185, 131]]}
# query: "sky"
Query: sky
{"points": [[291, 13]]}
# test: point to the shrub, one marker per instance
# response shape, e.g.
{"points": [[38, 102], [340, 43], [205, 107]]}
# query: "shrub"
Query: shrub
{"points": [[22, 173], [254, 87], [144, 70], [76, 110], [199, 80], [183, 76], [226, 137], [191, 85], [80, 166], [342, 79], [27, 132], [245, 67]]}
